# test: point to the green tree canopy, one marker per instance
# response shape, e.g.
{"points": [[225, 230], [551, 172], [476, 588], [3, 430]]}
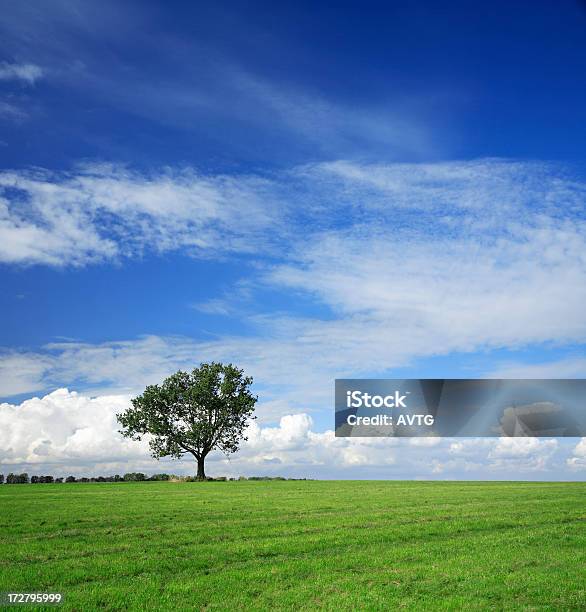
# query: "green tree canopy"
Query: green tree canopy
{"points": [[193, 413]]}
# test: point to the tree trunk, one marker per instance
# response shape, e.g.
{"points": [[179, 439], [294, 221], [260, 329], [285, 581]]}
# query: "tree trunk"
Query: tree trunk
{"points": [[201, 474]]}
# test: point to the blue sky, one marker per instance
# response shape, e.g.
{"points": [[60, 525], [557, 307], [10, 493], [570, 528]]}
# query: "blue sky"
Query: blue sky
{"points": [[309, 191]]}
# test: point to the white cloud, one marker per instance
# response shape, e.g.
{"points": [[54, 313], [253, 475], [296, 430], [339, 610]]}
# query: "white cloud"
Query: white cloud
{"points": [[12, 106], [570, 367], [22, 372], [293, 362], [324, 123], [70, 431], [27, 73], [65, 432], [433, 294], [432, 220], [214, 307], [522, 454], [102, 212], [578, 459], [64, 428], [11, 111], [427, 259], [215, 94], [287, 379], [507, 457]]}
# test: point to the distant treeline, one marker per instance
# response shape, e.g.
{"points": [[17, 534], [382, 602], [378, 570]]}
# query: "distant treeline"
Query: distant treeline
{"points": [[130, 477]]}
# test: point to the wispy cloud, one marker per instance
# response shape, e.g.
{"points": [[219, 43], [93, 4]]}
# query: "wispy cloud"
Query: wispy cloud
{"points": [[22, 372], [26, 73], [104, 212], [325, 124], [567, 367], [406, 261], [14, 106], [215, 307], [464, 211], [198, 86], [11, 111]]}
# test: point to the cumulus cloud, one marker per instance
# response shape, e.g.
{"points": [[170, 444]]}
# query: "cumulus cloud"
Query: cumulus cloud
{"points": [[27, 73], [66, 431], [578, 459], [519, 456], [64, 428], [522, 454]]}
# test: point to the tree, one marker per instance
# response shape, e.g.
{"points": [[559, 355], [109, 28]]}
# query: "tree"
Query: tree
{"points": [[193, 413], [134, 476]]}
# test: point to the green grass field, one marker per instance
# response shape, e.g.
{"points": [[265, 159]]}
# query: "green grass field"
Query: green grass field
{"points": [[281, 545]]}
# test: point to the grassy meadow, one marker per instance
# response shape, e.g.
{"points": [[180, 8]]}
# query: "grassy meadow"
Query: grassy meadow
{"points": [[342, 545]]}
